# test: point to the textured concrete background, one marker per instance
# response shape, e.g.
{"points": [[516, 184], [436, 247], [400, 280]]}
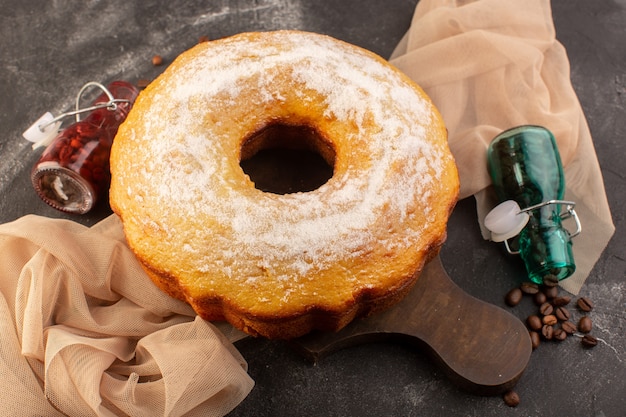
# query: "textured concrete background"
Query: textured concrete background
{"points": [[50, 49]]}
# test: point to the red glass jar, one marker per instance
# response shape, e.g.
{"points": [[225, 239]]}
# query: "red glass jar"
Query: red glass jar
{"points": [[73, 173]]}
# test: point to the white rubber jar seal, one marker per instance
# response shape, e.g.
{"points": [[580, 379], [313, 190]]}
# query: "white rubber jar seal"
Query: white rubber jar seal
{"points": [[505, 221]]}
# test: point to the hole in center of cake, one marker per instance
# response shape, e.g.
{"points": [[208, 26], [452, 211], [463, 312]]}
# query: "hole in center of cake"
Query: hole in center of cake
{"points": [[284, 159]]}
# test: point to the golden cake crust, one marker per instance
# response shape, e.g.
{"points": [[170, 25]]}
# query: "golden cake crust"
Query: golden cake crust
{"points": [[282, 265]]}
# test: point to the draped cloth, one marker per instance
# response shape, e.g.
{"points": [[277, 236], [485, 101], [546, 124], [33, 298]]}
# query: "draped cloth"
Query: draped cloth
{"points": [[85, 332], [490, 65]]}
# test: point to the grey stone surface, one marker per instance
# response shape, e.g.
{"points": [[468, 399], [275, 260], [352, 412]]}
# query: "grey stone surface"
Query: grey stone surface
{"points": [[50, 49]]}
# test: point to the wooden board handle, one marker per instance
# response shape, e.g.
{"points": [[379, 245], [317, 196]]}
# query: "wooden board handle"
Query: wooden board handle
{"points": [[482, 348]]}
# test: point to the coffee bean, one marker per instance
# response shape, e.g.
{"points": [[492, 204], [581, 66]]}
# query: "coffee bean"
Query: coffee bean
{"points": [[561, 301], [589, 341], [551, 292], [547, 332], [513, 297], [143, 83], [511, 398], [549, 320], [568, 327], [157, 60], [546, 309], [584, 304], [534, 322], [529, 288], [562, 313], [535, 340], [584, 324], [550, 280], [559, 334], [540, 298]]}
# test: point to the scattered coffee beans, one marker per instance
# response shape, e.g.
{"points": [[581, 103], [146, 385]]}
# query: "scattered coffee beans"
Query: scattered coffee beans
{"points": [[529, 288], [551, 292], [589, 341], [157, 60], [550, 280], [547, 332], [540, 298], [584, 304], [513, 297], [534, 322], [562, 313], [553, 320], [546, 309], [584, 324], [535, 340], [559, 334], [511, 398], [550, 320], [561, 301], [143, 83], [568, 327]]}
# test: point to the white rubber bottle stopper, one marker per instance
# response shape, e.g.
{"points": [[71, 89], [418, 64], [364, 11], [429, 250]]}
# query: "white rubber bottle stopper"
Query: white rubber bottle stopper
{"points": [[505, 221], [39, 136]]}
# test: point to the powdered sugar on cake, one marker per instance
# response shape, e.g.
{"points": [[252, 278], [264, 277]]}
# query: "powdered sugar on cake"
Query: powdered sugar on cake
{"points": [[310, 229]]}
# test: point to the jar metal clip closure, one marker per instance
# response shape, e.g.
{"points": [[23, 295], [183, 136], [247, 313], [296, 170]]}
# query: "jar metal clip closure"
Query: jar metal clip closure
{"points": [[504, 223], [45, 129]]}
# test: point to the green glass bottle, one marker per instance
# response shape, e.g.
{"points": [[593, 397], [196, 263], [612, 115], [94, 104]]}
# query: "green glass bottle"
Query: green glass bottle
{"points": [[525, 166]]}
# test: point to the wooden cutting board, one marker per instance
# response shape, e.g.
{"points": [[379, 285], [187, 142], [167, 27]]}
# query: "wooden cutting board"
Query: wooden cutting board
{"points": [[482, 348]]}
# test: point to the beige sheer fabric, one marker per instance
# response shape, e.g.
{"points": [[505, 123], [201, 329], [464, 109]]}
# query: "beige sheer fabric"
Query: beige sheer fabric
{"points": [[490, 65], [84, 332]]}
